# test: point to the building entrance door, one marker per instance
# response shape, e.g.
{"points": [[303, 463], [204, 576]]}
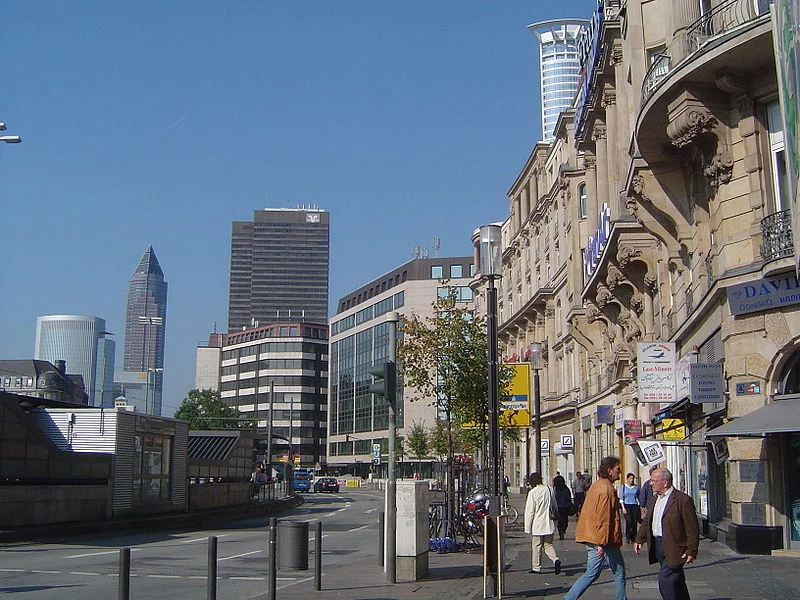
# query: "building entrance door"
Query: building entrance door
{"points": [[793, 488]]}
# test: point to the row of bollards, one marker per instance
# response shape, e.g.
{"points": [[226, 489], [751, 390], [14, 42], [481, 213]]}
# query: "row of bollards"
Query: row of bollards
{"points": [[124, 589]]}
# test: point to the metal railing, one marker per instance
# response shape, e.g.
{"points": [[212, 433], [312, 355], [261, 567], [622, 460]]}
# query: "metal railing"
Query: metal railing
{"points": [[776, 236], [658, 70]]}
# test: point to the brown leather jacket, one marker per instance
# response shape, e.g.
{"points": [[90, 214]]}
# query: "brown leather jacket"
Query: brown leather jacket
{"points": [[599, 522], [680, 529]]}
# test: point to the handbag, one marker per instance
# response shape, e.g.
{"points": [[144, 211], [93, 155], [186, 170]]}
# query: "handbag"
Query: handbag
{"points": [[572, 510], [553, 506]]}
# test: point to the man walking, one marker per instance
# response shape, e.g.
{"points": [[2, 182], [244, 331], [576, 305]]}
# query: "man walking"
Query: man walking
{"points": [[579, 487], [600, 529], [646, 493], [672, 533]]}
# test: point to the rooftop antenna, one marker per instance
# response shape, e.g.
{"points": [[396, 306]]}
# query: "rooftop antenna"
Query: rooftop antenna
{"points": [[415, 251], [437, 243]]}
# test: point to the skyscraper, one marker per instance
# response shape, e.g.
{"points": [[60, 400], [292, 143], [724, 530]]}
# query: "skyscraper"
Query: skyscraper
{"points": [[279, 268], [145, 323], [81, 342], [559, 67]]}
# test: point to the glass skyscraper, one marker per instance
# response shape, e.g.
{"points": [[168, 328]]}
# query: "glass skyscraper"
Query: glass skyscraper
{"points": [[145, 324], [279, 268], [81, 342], [559, 67]]}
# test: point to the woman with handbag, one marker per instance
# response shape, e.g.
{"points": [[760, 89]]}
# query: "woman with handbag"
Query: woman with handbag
{"points": [[564, 503], [541, 512]]}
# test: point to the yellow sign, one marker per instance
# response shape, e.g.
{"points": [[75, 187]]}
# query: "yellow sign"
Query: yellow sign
{"points": [[677, 430], [515, 410]]}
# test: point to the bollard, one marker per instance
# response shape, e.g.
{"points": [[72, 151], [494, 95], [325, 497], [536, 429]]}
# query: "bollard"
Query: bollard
{"points": [[318, 557], [212, 568], [381, 525], [124, 592], [273, 559]]}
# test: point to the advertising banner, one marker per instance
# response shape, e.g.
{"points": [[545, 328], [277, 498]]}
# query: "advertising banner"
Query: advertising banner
{"points": [[632, 430], [655, 372], [516, 410]]}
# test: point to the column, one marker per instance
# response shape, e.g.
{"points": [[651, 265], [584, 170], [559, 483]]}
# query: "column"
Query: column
{"points": [[590, 164], [601, 151], [612, 132], [684, 14]]}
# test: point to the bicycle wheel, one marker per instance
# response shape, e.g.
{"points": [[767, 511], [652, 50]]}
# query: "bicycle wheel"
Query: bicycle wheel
{"points": [[511, 515]]}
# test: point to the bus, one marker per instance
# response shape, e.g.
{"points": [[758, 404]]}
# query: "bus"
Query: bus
{"points": [[302, 479]]}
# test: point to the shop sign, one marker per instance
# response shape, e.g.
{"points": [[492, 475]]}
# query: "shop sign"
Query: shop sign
{"points": [[619, 419], [597, 243], [707, 383], [720, 446], [748, 388], [589, 45], [648, 452], [633, 429], [605, 414], [675, 430], [655, 371], [567, 442], [763, 294], [545, 445]]}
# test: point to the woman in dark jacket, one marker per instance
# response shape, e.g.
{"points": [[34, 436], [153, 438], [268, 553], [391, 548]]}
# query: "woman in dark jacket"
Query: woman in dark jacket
{"points": [[563, 500]]}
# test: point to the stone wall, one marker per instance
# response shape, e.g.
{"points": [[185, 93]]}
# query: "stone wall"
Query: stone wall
{"points": [[29, 505]]}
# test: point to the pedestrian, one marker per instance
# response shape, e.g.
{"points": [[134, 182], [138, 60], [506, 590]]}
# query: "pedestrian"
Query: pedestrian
{"points": [[600, 529], [539, 506], [645, 494], [629, 494], [563, 501], [579, 488], [672, 533]]}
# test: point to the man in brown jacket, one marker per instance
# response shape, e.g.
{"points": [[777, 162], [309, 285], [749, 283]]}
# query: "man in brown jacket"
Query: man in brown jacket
{"points": [[600, 529], [672, 533]]}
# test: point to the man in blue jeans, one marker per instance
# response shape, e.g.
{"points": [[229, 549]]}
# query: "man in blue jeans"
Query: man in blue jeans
{"points": [[600, 529]]}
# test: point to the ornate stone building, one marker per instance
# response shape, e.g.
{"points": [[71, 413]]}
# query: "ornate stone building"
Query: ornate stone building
{"points": [[659, 214]]}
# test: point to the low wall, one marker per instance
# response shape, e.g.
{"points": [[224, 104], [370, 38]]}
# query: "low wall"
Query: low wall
{"points": [[29, 505], [215, 495]]}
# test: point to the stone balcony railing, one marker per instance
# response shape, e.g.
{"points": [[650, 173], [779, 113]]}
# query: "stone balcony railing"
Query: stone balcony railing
{"points": [[720, 20], [776, 236]]}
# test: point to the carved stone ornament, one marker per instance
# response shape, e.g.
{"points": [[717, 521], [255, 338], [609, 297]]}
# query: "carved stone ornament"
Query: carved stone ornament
{"points": [[609, 98], [599, 133], [614, 277], [744, 104], [626, 254], [650, 282], [616, 56], [589, 162], [592, 314], [637, 186], [686, 128], [719, 168], [632, 206], [603, 295]]}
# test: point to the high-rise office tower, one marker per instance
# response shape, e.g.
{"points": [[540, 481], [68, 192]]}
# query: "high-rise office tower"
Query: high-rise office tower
{"points": [[279, 268], [145, 323], [559, 67], [81, 342]]}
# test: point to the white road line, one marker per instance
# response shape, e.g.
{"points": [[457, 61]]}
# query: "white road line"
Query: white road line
{"points": [[242, 578], [12, 570], [358, 528], [197, 577], [240, 555], [203, 539], [45, 572], [82, 573], [366, 512], [164, 576], [97, 553]]}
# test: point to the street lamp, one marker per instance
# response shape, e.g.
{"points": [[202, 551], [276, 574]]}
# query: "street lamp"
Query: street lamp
{"points": [[537, 350], [146, 395], [9, 139], [148, 323]]}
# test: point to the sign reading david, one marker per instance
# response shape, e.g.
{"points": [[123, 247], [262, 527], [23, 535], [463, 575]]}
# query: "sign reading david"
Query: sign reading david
{"points": [[763, 294], [655, 371]]}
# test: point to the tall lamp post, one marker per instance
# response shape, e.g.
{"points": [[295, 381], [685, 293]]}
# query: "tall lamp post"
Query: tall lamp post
{"points": [[537, 349], [491, 267], [154, 372], [148, 323]]}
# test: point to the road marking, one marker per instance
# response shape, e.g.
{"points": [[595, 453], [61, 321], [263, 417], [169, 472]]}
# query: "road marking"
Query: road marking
{"points": [[203, 539], [82, 573], [12, 570], [45, 572], [97, 553], [358, 528], [370, 510], [240, 555], [164, 576]]}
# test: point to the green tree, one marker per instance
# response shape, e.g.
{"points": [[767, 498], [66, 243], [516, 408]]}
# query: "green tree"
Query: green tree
{"points": [[204, 409], [418, 443]]}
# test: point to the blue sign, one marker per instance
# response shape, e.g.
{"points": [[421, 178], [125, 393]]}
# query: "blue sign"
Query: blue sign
{"points": [[597, 243], [605, 414], [589, 55], [763, 294]]}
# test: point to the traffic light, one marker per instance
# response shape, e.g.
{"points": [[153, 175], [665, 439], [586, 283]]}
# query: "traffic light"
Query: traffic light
{"points": [[385, 381]]}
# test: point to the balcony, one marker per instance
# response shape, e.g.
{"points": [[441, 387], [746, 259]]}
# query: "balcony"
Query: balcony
{"points": [[776, 236]]}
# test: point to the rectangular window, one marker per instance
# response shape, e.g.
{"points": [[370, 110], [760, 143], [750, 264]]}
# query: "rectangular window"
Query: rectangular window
{"points": [[437, 272], [456, 271], [777, 149]]}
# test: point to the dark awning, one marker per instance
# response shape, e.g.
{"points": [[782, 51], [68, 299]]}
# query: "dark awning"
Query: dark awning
{"points": [[780, 416]]}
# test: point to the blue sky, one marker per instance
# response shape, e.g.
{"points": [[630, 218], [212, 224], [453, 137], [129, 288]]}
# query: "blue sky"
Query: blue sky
{"points": [[160, 123]]}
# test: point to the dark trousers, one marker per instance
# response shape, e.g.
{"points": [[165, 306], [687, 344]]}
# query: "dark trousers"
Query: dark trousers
{"points": [[671, 582], [563, 521], [579, 498], [632, 515]]}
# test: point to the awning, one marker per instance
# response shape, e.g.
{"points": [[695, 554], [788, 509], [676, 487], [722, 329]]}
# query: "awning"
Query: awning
{"points": [[780, 416]]}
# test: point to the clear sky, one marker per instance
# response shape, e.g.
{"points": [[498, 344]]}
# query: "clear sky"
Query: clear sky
{"points": [[153, 122]]}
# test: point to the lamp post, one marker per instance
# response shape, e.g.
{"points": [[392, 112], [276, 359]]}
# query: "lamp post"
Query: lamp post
{"points": [[153, 371], [536, 349], [9, 139], [489, 239], [148, 323]]}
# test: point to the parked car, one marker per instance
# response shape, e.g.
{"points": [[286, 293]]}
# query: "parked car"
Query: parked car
{"points": [[326, 484]]}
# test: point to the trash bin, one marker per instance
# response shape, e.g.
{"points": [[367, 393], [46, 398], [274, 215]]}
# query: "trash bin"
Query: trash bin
{"points": [[292, 545]]}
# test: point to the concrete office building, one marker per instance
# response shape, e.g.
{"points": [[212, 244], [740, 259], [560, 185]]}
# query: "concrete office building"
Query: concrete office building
{"points": [[145, 326], [559, 67], [357, 419], [81, 342], [279, 268]]}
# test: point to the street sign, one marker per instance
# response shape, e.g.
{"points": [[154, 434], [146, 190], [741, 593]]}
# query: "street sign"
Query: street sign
{"points": [[567, 442], [376, 460], [545, 445], [376, 447]]}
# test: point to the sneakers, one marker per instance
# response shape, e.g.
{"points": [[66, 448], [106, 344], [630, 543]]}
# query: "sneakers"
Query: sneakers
{"points": [[532, 571], [557, 565]]}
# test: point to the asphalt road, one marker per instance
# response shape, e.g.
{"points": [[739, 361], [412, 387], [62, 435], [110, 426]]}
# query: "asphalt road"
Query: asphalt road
{"points": [[174, 564]]}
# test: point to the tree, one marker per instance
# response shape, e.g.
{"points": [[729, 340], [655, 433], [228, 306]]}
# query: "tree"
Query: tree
{"points": [[204, 409], [418, 442]]}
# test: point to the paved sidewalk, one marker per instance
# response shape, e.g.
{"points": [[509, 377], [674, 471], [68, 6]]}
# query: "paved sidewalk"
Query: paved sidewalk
{"points": [[718, 574]]}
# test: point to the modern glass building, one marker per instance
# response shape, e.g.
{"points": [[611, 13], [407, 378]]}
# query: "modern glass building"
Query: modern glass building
{"points": [[359, 340], [559, 67], [145, 324], [279, 268], [81, 342]]}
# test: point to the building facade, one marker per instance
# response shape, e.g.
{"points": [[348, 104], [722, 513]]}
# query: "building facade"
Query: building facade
{"points": [[358, 419], [559, 67], [42, 379], [279, 268], [145, 327], [277, 376], [658, 216], [81, 342]]}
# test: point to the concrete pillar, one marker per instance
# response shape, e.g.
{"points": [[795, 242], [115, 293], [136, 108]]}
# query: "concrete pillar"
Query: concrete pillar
{"points": [[412, 530], [612, 133], [593, 209], [601, 151]]}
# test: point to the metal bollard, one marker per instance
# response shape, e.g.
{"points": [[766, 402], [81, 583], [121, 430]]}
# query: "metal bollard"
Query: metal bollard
{"points": [[273, 559], [212, 568], [318, 557], [381, 525], [124, 590]]}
